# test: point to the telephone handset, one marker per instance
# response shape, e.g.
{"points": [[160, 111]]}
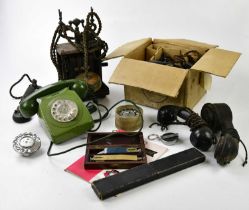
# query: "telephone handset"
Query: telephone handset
{"points": [[29, 106], [60, 109]]}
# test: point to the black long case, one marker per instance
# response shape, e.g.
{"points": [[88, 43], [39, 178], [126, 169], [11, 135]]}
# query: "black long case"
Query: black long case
{"points": [[113, 185]]}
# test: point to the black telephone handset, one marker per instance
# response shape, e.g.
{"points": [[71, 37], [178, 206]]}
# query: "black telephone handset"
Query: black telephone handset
{"points": [[201, 136]]}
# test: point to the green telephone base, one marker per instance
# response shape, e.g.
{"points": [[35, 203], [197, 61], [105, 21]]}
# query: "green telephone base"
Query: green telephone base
{"points": [[58, 130]]}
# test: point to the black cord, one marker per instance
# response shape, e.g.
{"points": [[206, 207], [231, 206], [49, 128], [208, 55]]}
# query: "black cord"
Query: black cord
{"points": [[245, 161], [194, 121], [154, 123], [106, 109], [78, 146], [12, 86], [100, 117], [91, 110], [107, 136], [104, 116], [163, 127]]}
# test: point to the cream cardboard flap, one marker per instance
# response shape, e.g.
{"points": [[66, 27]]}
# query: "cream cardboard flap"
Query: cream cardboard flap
{"points": [[153, 77], [217, 61], [127, 48]]}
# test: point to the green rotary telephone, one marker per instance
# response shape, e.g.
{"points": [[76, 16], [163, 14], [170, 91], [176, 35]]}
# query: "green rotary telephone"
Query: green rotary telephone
{"points": [[60, 109]]}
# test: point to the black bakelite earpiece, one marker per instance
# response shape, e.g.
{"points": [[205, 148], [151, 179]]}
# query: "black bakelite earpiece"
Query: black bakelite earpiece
{"points": [[219, 118], [202, 138], [201, 135], [167, 115]]}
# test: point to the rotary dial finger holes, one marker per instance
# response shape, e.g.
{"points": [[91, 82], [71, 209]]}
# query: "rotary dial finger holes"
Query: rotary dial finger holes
{"points": [[64, 110]]}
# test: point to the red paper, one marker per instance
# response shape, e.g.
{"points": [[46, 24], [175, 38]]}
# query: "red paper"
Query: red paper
{"points": [[78, 169]]}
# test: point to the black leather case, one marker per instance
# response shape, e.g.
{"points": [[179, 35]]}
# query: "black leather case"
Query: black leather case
{"points": [[113, 185]]}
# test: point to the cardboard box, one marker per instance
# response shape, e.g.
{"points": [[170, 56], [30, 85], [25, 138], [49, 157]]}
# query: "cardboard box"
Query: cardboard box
{"points": [[155, 85]]}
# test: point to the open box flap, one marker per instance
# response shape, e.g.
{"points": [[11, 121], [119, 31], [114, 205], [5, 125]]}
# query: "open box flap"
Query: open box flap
{"points": [[127, 48], [162, 79], [217, 61], [185, 42]]}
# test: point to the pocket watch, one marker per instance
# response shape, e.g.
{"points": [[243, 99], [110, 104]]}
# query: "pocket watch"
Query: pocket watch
{"points": [[26, 144]]}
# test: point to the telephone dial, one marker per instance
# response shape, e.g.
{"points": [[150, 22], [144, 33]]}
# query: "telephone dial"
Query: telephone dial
{"points": [[60, 109]]}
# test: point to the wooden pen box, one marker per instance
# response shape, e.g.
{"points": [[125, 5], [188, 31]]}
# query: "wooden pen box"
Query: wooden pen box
{"points": [[118, 140]]}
